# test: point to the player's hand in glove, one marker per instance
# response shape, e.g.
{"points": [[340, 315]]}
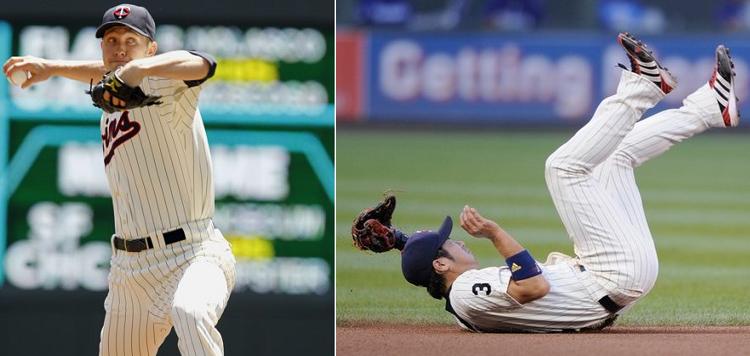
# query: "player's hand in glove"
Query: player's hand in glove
{"points": [[372, 229], [112, 94]]}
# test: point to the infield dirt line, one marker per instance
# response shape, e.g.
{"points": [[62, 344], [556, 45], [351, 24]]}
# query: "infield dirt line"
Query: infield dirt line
{"points": [[400, 339]]}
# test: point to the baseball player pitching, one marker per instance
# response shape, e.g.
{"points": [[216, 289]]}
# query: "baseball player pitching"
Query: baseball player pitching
{"points": [[591, 181], [170, 266]]}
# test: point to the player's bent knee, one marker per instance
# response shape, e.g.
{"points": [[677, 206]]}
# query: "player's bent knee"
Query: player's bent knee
{"points": [[558, 167], [194, 313], [551, 165], [624, 159]]}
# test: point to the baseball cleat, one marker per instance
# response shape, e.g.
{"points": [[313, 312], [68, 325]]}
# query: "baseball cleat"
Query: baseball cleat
{"points": [[643, 62], [722, 82]]}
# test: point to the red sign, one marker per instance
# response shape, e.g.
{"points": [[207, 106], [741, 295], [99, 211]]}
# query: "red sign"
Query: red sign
{"points": [[349, 74]]}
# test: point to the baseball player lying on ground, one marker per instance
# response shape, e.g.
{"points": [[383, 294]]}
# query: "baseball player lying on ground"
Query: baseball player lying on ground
{"points": [[170, 266], [591, 181]]}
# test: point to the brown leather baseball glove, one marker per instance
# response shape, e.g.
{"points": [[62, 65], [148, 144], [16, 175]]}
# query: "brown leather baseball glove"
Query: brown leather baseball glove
{"points": [[372, 229]]}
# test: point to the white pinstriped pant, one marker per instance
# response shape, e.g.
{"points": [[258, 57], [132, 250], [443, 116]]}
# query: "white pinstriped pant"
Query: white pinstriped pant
{"points": [[592, 183], [185, 284]]}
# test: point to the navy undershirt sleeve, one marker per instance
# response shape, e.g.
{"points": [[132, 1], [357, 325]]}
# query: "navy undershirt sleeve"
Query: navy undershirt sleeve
{"points": [[211, 68]]}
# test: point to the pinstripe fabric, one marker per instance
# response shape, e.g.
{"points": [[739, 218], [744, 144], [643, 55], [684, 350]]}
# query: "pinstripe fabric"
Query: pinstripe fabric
{"points": [[198, 311], [649, 138], [621, 258], [158, 168], [591, 179], [185, 284], [568, 305], [161, 177]]}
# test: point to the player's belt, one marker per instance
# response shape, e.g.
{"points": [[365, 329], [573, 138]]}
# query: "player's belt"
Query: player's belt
{"points": [[606, 301], [609, 304], [145, 243]]}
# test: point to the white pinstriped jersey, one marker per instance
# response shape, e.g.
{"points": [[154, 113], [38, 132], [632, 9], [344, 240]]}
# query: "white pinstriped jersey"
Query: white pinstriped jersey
{"points": [[592, 183], [157, 161], [158, 167], [479, 298]]}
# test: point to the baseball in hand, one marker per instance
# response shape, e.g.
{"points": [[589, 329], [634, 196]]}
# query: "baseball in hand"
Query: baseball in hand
{"points": [[18, 77]]}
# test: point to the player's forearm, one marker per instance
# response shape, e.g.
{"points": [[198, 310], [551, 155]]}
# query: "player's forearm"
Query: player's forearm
{"points": [[526, 283], [84, 71], [505, 244], [179, 65], [530, 289], [523, 290]]}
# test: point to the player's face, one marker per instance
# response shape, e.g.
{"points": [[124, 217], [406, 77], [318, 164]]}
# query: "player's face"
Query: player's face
{"points": [[120, 45], [463, 259]]}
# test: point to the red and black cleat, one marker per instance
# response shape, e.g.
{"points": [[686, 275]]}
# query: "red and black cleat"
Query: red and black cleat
{"points": [[722, 82], [643, 62]]}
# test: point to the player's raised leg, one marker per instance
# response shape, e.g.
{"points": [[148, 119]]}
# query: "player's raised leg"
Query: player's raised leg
{"points": [[638, 90], [199, 301], [712, 105], [595, 222]]}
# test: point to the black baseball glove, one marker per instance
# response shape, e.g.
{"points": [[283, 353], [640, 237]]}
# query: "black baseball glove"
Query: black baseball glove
{"points": [[372, 229], [114, 87]]}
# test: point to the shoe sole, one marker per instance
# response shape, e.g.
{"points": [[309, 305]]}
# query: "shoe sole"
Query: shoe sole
{"points": [[730, 116], [668, 83], [637, 45]]}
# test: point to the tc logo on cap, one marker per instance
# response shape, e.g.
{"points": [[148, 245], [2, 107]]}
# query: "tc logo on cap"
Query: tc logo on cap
{"points": [[122, 12]]}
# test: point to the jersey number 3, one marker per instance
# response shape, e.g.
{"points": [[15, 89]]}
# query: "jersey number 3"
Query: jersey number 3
{"points": [[481, 287]]}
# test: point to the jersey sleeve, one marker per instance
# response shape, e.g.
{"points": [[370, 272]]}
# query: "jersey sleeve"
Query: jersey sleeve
{"points": [[173, 88], [179, 102], [179, 98], [211, 68], [480, 291]]}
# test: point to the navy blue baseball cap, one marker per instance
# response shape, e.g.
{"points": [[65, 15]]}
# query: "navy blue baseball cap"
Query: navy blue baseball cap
{"points": [[420, 250], [133, 16]]}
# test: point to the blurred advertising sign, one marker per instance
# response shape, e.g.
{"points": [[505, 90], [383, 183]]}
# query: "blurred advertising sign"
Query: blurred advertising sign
{"points": [[533, 78], [349, 75], [60, 216], [259, 69], [448, 77]]}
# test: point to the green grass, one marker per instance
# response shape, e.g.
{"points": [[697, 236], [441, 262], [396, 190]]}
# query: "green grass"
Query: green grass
{"points": [[696, 196]]}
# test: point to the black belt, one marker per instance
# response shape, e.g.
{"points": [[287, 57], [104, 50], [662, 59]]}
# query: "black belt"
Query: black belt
{"points": [[609, 304], [145, 243], [606, 301]]}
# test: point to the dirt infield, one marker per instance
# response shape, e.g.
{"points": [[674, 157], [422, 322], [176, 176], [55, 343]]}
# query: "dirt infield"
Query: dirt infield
{"points": [[365, 340]]}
